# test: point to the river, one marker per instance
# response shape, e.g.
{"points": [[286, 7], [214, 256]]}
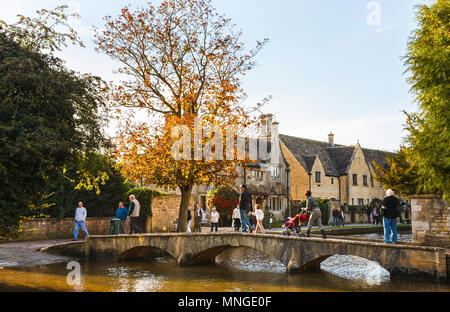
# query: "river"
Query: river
{"points": [[239, 269]]}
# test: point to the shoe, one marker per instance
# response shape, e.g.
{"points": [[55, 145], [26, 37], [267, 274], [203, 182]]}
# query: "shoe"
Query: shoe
{"points": [[323, 234]]}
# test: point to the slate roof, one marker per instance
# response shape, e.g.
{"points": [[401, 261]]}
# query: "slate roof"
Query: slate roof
{"points": [[335, 159]]}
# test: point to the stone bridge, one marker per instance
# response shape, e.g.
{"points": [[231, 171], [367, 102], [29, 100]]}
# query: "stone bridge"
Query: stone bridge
{"points": [[298, 254]]}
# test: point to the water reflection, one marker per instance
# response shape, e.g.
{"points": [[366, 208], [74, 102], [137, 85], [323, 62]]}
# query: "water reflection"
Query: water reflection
{"points": [[239, 269]]}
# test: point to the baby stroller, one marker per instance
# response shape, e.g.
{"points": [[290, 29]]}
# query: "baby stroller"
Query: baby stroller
{"points": [[293, 225]]}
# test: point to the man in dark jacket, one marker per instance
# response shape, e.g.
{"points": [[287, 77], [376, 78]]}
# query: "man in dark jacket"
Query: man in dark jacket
{"points": [[245, 205], [390, 214]]}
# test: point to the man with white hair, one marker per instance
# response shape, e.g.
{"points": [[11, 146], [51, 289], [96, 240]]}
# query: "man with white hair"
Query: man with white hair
{"points": [[133, 215], [390, 214]]}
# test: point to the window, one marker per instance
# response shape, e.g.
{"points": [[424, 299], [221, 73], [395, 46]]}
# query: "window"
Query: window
{"points": [[317, 177], [371, 181], [353, 202], [276, 204], [365, 180], [355, 179], [332, 180], [360, 202], [257, 175], [276, 173]]}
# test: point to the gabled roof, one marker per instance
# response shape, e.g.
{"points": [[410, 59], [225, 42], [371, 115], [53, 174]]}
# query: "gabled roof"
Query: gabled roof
{"points": [[304, 149], [335, 159]]}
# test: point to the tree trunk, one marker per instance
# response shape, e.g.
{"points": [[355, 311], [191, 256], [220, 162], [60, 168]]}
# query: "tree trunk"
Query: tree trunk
{"points": [[186, 191]]}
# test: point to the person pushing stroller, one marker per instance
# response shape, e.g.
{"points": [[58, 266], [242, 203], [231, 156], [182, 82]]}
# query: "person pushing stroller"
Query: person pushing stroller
{"points": [[316, 215]]}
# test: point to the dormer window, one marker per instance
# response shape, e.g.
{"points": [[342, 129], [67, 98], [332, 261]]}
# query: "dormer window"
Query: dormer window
{"points": [[318, 177], [355, 179], [365, 180]]}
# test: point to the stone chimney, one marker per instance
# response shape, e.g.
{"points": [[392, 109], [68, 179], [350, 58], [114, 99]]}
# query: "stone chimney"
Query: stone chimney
{"points": [[331, 139], [266, 126]]}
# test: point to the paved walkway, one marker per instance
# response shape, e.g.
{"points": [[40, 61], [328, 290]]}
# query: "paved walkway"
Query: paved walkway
{"points": [[26, 253]]}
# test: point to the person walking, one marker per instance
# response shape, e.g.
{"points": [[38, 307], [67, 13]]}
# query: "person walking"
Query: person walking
{"points": [[122, 215], [316, 215], [215, 220], [198, 217], [237, 219], [259, 214], [189, 219], [245, 206], [369, 214], [335, 215], [80, 220], [270, 221], [375, 216], [133, 215], [341, 217], [390, 205]]}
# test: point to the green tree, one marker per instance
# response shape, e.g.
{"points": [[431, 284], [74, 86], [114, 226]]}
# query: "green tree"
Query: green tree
{"points": [[49, 117], [428, 63], [101, 202]]}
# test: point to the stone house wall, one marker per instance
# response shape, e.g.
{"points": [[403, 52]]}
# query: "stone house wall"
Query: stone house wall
{"points": [[298, 176], [366, 192], [328, 186], [430, 220]]}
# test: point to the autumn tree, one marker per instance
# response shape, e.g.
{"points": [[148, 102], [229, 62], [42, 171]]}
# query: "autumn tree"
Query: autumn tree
{"points": [[185, 61], [401, 176]]}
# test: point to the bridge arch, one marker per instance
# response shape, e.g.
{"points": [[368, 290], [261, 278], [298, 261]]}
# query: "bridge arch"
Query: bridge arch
{"points": [[143, 252]]}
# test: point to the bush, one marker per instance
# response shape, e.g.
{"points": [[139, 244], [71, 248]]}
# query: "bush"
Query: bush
{"points": [[224, 199], [324, 205], [144, 196]]}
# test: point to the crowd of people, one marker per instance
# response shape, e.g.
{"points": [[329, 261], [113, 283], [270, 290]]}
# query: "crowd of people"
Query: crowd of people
{"points": [[248, 218]]}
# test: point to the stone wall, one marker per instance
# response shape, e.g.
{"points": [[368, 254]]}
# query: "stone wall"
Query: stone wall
{"points": [[57, 228], [299, 178], [430, 220], [165, 210], [53, 228]]}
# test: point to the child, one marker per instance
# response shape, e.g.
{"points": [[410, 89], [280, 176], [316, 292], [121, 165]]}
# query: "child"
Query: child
{"points": [[259, 219], [214, 220]]}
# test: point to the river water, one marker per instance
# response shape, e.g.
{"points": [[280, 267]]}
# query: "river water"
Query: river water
{"points": [[239, 269]]}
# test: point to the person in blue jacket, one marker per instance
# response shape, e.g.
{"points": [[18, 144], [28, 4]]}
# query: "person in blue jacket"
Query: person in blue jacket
{"points": [[122, 214]]}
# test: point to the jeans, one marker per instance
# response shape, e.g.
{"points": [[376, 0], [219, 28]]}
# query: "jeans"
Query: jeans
{"points": [[335, 221], [214, 225], [198, 224], [188, 230], [244, 221], [81, 224], [123, 226], [133, 225], [390, 225]]}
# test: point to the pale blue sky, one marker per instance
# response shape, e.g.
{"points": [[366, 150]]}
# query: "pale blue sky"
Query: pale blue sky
{"points": [[325, 66]]}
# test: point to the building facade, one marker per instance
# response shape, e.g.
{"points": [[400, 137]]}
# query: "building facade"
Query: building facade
{"points": [[342, 173]]}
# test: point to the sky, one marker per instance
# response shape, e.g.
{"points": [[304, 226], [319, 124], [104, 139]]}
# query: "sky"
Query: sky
{"points": [[329, 65]]}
